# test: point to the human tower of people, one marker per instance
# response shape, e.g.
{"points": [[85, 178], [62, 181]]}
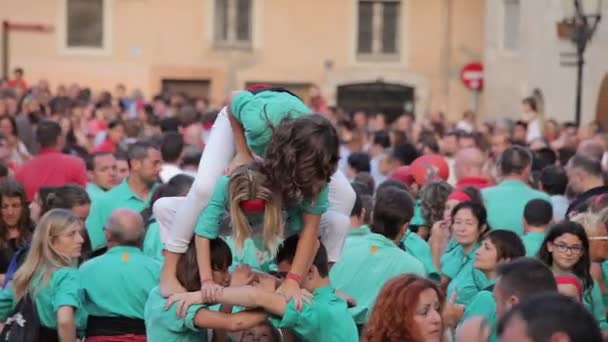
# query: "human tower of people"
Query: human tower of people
{"points": [[299, 227]]}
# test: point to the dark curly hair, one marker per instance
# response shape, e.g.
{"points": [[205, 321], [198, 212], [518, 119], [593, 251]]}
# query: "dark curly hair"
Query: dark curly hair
{"points": [[301, 156], [392, 318]]}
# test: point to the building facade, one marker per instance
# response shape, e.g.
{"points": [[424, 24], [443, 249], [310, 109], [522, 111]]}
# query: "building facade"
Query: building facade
{"points": [[382, 55], [524, 56]]}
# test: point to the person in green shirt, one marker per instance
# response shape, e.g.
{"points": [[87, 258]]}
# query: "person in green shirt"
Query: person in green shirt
{"points": [[178, 185], [133, 193], [499, 246], [118, 282], [167, 320], [300, 154], [566, 250], [48, 275], [376, 253], [458, 274], [256, 212], [538, 215], [516, 281], [102, 174], [505, 202], [323, 317]]}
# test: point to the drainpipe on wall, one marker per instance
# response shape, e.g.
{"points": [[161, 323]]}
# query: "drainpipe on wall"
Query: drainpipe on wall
{"points": [[8, 26]]}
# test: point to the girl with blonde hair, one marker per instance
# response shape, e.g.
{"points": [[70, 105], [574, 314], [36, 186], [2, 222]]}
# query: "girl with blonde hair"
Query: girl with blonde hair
{"points": [[49, 277], [256, 216]]}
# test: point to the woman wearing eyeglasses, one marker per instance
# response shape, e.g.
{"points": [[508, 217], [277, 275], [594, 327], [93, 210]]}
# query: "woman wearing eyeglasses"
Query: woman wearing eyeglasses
{"points": [[566, 251]]}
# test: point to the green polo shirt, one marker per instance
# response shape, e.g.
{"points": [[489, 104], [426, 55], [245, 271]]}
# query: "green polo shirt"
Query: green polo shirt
{"points": [[417, 219], [592, 300], [63, 289], [421, 250], [153, 247], [95, 192], [326, 319], [121, 196], [361, 231], [208, 225], [117, 283], [260, 113], [253, 254], [532, 241], [605, 274], [484, 305], [466, 281], [367, 262], [164, 325], [505, 204]]}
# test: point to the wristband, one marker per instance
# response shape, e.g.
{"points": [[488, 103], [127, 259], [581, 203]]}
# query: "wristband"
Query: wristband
{"points": [[294, 277]]}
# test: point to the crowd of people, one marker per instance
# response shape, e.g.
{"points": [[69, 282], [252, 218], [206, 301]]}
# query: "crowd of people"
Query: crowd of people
{"points": [[271, 219]]}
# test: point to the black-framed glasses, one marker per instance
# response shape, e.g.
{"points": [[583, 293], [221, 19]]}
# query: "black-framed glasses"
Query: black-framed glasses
{"points": [[563, 248]]}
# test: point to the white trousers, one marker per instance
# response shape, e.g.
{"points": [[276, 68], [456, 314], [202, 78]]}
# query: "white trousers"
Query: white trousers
{"points": [[177, 216]]}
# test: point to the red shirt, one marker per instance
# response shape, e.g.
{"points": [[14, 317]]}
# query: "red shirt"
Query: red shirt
{"points": [[106, 146], [476, 182], [17, 84], [51, 168]]}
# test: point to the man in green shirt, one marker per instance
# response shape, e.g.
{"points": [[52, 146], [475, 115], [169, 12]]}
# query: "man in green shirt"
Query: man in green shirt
{"points": [[101, 173], [538, 215], [133, 193], [505, 202], [516, 281], [370, 260], [118, 282]]}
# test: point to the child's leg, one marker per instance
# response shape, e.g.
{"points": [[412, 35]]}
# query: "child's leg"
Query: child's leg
{"points": [[177, 224], [335, 223]]}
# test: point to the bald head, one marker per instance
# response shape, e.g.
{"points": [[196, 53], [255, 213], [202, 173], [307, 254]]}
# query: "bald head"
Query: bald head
{"points": [[469, 162], [591, 148], [125, 227]]}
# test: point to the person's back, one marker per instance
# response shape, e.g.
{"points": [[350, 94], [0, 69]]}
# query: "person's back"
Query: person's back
{"points": [[124, 267], [377, 253], [553, 180], [505, 202], [538, 214], [50, 167]]}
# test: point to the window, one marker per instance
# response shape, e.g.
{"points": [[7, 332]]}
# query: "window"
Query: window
{"points": [[233, 22], [511, 21], [378, 31], [85, 24]]}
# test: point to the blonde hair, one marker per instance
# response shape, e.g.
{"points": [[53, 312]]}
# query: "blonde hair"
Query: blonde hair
{"points": [[42, 258], [589, 221], [248, 182]]}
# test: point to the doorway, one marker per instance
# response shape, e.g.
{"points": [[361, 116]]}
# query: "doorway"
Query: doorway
{"points": [[376, 97]]}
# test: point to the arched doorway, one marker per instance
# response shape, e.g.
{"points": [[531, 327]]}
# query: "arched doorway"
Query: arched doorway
{"points": [[601, 112], [376, 97]]}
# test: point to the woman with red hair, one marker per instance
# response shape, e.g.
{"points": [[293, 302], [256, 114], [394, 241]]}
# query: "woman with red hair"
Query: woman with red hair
{"points": [[409, 309]]}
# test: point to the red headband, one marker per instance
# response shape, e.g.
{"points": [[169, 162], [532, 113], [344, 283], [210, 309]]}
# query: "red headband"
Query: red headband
{"points": [[258, 86], [460, 196], [570, 280], [253, 206]]}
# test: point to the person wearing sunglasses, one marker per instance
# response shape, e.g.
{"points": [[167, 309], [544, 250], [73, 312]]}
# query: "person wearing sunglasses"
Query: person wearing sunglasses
{"points": [[566, 251]]}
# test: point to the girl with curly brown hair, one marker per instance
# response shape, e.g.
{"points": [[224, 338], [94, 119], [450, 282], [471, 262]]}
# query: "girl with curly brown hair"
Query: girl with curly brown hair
{"points": [[301, 154], [409, 309]]}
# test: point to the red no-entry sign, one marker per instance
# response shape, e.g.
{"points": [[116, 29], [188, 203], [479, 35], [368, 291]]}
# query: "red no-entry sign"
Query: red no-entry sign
{"points": [[472, 76]]}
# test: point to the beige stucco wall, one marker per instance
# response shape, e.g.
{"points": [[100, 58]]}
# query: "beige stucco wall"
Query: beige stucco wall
{"points": [[292, 42]]}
